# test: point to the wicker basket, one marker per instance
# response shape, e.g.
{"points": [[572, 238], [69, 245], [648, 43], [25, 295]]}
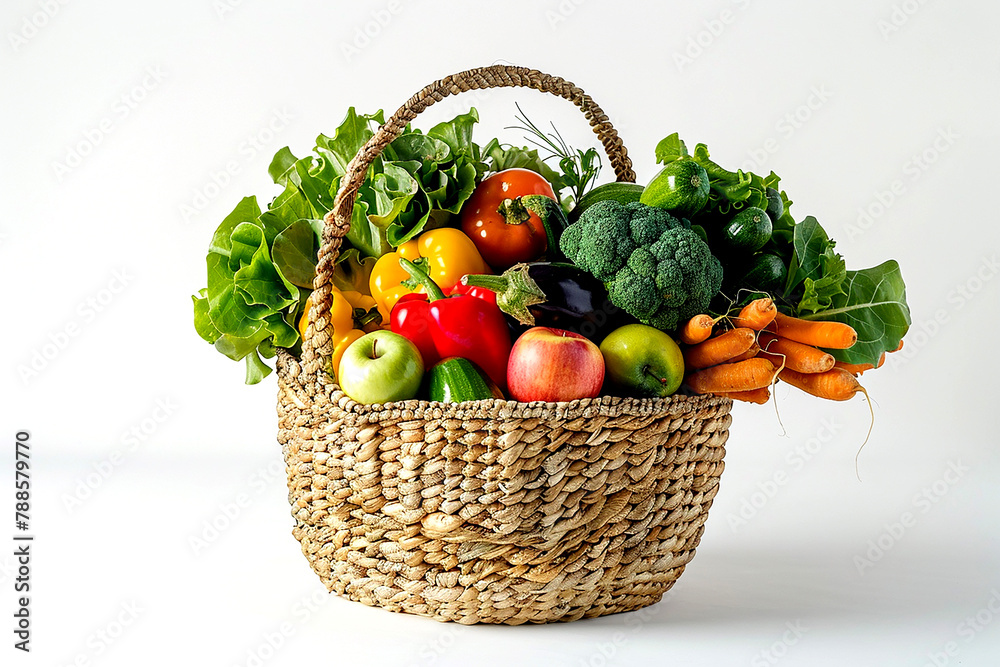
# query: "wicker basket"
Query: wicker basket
{"points": [[491, 511]]}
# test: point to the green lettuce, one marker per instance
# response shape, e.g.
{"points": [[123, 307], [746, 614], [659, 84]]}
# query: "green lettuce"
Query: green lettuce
{"points": [[261, 263], [873, 301]]}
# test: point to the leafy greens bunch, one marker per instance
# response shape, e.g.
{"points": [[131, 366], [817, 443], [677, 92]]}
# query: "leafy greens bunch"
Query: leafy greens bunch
{"points": [[818, 285], [261, 263]]}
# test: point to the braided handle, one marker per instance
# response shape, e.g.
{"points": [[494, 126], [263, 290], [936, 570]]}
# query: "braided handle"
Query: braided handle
{"points": [[318, 343]]}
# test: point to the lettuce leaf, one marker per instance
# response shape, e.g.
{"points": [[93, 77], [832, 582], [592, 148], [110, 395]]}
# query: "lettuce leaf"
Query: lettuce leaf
{"points": [[261, 263], [818, 292], [874, 303], [504, 156]]}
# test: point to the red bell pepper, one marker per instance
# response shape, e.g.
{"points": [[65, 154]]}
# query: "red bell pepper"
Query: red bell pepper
{"points": [[460, 325]]}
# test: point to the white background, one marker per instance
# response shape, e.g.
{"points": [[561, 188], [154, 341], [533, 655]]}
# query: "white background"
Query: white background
{"points": [[143, 436]]}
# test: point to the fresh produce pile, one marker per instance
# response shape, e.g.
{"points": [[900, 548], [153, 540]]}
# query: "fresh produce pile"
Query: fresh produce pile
{"points": [[473, 272]]}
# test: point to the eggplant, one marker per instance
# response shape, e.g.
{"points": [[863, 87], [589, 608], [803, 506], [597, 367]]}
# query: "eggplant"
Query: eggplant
{"points": [[556, 295]]}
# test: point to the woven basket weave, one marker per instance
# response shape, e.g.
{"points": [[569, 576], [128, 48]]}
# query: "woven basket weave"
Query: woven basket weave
{"points": [[491, 511]]}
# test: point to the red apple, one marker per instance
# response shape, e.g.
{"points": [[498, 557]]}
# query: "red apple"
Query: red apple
{"points": [[554, 365]]}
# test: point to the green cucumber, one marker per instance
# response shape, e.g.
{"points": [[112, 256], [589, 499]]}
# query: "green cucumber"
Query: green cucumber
{"points": [[746, 232], [765, 273], [620, 192], [681, 187], [775, 205], [455, 380]]}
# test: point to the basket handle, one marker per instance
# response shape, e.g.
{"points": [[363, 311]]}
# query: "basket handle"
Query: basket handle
{"points": [[318, 343]]}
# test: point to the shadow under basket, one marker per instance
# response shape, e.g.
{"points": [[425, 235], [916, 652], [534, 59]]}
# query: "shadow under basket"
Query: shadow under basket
{"points": [[490, 511], [497, 511]]}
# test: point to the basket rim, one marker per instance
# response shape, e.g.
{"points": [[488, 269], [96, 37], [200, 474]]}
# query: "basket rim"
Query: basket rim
{"points": [[495, 408]]}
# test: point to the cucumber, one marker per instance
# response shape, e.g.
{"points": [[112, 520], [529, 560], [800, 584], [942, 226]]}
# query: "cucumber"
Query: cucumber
{"points": [[746, 232], [765, 273], [620, 192], [775, 206], [681, 187], [455, 380]]}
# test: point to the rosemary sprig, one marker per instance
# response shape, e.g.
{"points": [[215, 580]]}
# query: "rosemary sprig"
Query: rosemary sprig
{"points": [[579, 168]]}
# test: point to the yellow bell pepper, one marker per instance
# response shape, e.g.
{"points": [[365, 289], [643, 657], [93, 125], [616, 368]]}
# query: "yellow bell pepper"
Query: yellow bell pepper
{"points": [[342, 319], [446, 254]]}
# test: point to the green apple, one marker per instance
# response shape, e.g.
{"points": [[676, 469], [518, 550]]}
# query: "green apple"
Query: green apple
{"points": [[381, 367], [643, 361]]}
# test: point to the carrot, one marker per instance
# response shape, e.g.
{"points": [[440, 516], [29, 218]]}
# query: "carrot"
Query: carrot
{"points": [[740, 376], [858, 369], [719, 349], [797, 356], [835, 384], [833, 335], [758, 396], [697, 329], [854, 369], [749, 354], [757, 314], [900, 346]]}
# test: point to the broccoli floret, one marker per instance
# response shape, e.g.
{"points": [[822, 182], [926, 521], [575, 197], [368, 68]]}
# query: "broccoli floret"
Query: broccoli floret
{"points": [[654, 266]]}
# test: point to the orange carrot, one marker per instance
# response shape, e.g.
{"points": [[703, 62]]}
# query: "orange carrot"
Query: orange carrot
{"points": [[854, 369], [797, 356], [900, 346], [741, 376], [757, 314], [719, 349], [835, 384], [697, 329], [758, 396], [749, 354], [833, 335], [858, 369]]}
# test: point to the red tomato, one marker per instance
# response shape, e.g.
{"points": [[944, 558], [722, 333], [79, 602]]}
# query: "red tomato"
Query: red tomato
{"points": [[504, 231]]}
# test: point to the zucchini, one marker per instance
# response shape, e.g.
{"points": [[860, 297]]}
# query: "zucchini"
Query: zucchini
{"points": [[620, 192], [681, 187], [765, 273], [455, 380], [746, 232]]}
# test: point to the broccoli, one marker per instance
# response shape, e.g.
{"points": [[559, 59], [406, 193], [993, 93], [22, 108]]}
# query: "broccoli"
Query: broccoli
{"points": [[654, 266]]}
